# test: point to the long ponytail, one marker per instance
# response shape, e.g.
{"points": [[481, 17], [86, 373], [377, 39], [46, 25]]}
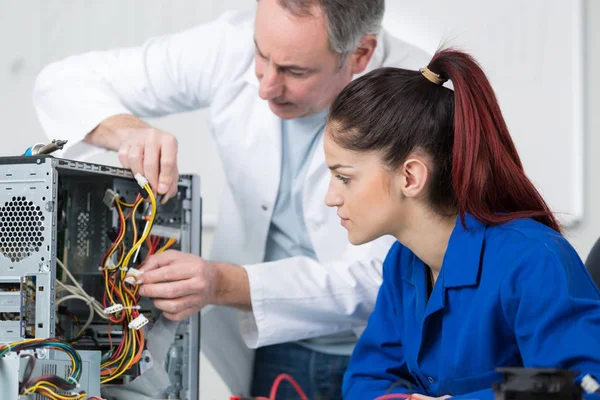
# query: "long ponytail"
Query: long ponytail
{"points": [[476, 167], [487, 174]]}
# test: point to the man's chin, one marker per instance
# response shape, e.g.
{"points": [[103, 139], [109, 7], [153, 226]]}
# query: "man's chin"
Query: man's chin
{"points": [[285, 110]]}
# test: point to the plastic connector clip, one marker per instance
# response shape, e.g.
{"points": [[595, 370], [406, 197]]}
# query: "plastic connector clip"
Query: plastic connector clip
{"points": [[589, 384], [166, 232], [141, 180], [109, 198], [136, 273], [113, 309], [138, 322]]}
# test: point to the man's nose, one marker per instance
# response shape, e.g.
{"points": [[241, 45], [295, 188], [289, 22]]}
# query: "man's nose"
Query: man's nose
{"points": [[271, 85]]}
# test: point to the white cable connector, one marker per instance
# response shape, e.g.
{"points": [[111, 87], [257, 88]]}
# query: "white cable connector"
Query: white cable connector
{"points": [[589, 384], [113, 309], [136, 273], [141, 180], [110, 265], [109, 198], [73, 381], [138, 322], [166, 232]]}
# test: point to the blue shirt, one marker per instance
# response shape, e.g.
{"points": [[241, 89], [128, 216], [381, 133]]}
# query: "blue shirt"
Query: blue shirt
{"points": [[288, 236], [510, 295]]}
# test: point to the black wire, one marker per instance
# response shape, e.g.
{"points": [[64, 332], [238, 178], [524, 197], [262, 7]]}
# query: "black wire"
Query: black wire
{"points": [[28, 371], [88, 337]]}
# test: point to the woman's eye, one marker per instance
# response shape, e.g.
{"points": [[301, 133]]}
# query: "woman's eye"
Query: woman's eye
{"points": [[343, 179]]}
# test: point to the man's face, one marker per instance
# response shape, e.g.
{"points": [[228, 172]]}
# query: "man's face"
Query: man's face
{"points": [[298, 73]]}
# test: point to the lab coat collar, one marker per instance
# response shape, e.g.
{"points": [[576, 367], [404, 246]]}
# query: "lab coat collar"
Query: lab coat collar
{"points": [[462, 261]]}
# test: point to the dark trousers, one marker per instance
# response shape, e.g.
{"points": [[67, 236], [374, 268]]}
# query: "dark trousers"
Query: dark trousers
{"points": [[319, 375]]}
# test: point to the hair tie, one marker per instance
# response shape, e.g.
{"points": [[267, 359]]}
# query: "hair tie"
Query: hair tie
{"points": [[432, 76]]}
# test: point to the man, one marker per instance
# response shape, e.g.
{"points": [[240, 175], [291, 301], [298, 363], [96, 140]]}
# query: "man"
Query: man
{"points": [[280, 254]]}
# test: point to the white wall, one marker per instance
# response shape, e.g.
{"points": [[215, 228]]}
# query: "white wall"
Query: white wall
{"points": [[584, 235], [511, 39], [33, 33]]}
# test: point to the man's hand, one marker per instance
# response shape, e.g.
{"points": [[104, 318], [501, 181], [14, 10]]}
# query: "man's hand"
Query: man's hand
{"points": [[153, 154], [181, 284], [142, 148]]}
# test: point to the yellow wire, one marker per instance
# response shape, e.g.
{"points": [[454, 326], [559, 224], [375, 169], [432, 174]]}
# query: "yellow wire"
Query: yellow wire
{"points": [[133, 354], [133, 223], [123, 354], [169, 243], [118, 371], [127, 356], [119, 240], [123, 203], [145, 234], [117, 244], [42, 384]]}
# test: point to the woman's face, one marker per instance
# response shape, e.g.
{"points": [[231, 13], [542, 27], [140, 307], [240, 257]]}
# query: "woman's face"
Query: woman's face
{"points": [[366, 193]]}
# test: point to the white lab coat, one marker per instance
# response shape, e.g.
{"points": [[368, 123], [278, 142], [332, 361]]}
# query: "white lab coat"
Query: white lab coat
{"points": [[212, 66]]}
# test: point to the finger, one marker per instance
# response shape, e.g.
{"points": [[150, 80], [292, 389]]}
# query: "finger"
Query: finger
{"points": [[160, 260], [169, 273], [181, 315], [174, 306], [173, 189], [136, 156], [168, 290], [151, 160], [124, 155], [168, 163]]}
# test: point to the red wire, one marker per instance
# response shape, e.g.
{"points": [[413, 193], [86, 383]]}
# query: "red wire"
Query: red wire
{"points": [[286, 377]]}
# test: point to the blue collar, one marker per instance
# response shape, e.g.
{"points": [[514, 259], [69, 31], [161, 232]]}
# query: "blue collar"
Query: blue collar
{"points": [[462, 261], [460, 267]]}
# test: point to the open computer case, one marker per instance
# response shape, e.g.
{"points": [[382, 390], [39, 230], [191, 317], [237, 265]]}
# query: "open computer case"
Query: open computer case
{"points": [[55, 211]]}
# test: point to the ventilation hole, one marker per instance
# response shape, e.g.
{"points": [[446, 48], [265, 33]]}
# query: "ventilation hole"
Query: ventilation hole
{"points": [[21, 233]]}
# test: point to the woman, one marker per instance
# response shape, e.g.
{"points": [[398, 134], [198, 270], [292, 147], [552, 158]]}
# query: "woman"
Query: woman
{"points": [[481, 276]]}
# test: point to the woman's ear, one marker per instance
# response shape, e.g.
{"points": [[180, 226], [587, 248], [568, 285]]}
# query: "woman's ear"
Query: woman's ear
{"points": [[415, 174]]}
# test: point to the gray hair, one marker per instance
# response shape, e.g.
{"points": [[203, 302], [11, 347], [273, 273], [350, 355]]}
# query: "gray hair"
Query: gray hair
{"points": [[348, 21]]}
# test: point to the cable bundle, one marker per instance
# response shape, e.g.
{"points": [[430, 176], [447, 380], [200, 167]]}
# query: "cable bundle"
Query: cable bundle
{"points": [[121, 279], [121, 284], [48, 385]]}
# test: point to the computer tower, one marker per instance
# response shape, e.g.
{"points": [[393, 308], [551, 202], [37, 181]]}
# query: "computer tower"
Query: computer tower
{"points": [[55, 211]]}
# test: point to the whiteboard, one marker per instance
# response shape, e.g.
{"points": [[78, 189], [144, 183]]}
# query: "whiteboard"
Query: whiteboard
{"points": [[532, 52]]}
